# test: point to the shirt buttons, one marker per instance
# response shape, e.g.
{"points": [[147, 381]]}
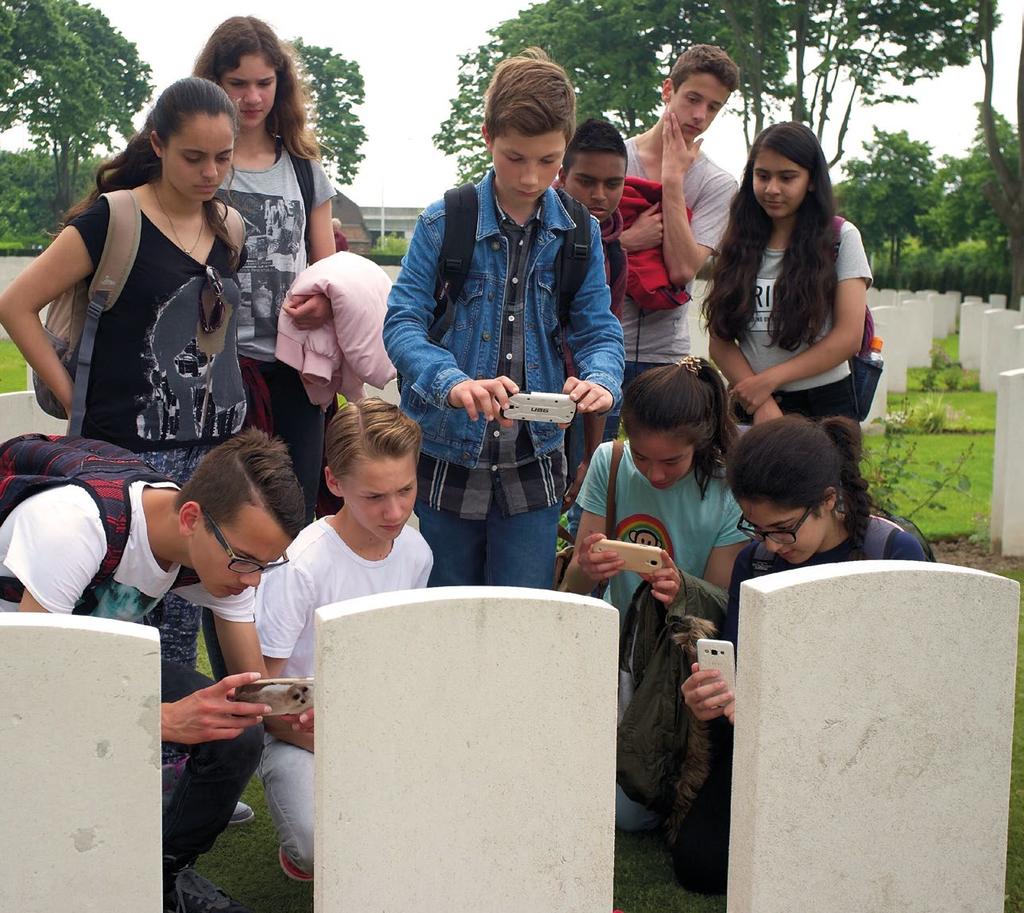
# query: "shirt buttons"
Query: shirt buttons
{"points": [[508, 357], [511, 318], [485, 336], [495, 245], [515, 280], [494, 467], [497, 434]]}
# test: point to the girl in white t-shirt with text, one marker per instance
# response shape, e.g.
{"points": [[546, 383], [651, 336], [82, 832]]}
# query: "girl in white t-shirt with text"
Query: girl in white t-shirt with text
{"points": [[365, 548], [789, 288]]}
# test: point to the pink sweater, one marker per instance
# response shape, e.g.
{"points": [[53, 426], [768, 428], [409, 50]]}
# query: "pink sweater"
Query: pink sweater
{"points": [[347, 351]]}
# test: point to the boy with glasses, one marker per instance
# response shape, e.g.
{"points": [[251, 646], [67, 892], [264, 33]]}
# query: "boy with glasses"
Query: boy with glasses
{"points": [[87, 528]]}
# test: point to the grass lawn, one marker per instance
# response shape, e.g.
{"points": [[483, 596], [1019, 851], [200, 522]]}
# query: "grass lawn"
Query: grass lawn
{"points": [[965, 513], [12, 368]]}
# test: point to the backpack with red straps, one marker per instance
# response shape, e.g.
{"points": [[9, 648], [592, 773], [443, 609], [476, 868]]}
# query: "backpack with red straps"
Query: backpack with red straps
{"points": [[33, 463]]}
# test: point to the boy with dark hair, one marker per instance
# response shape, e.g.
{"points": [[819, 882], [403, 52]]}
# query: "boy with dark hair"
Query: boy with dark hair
{"points": [[490, 491], [696, 89], [594, 172], [88, 528]]}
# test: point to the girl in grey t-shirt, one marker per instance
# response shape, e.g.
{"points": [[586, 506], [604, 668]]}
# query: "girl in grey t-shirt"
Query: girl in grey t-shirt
{"points": [[789, 290]]}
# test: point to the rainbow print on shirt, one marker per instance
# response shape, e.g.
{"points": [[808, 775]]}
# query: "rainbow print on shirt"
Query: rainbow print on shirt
{"points": [[645, 530]]}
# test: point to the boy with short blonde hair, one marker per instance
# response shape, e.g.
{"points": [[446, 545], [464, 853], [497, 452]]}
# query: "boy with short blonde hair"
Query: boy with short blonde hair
{"points": [[490, 489]]}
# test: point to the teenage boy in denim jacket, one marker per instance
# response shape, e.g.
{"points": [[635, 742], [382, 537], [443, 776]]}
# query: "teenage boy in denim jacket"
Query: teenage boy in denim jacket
{"points": [[490, 489]]}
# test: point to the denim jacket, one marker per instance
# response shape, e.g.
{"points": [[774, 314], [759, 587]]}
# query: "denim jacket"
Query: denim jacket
{"points": [[469, 349]]}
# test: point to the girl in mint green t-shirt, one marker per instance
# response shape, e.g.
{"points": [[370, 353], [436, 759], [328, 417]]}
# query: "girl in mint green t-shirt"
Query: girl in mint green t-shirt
{"points": [[670, 488]]}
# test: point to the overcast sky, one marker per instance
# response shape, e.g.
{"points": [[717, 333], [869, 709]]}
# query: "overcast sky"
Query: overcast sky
{"points": [[407, 51]]}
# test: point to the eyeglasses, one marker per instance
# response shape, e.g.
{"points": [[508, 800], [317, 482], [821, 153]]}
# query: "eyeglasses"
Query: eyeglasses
{"points": [[211, 302], [238, 564], [779, 536]]}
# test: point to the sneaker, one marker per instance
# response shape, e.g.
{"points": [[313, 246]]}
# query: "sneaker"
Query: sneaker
{"points": [[290, 868], [191, 893], [242, 814]]}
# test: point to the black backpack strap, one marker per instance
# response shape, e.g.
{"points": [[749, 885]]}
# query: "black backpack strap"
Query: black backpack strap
{"points": [[574, 257], [460, 218], [878, 538], [304, 175]]}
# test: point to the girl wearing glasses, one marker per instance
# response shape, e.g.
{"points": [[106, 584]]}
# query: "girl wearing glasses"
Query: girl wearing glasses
{"points": [[804, 502], [165, 379], [283, 193], [789, 289]]}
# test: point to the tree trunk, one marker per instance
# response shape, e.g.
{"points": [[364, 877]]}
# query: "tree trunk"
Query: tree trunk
{"points": [[1017, 270]]}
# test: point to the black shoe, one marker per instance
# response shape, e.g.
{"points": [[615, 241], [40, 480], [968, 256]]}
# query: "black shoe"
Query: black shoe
{"points": [[191, 893]]}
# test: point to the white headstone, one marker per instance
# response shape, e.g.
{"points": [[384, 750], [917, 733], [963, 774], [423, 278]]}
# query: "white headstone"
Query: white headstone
{"points": [[998, 345], [996, 301], [466, 751], [20, 414], [972, 299], [874, 297], [1006, 524], [957, 297], [890, 325], [919, 332], [874, 721], [943, 315], [699, 338], [80, 739], [970, 334], [887, 297], [905, 294]]}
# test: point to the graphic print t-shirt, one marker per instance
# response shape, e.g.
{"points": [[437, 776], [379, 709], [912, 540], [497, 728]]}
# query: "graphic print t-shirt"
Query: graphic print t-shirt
{"points": [[149, 379], [271, 205]]}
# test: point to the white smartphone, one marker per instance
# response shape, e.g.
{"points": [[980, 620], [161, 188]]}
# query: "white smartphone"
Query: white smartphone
{"points": [[283, 695], [720, 655], [641, 559], [541, 407]]}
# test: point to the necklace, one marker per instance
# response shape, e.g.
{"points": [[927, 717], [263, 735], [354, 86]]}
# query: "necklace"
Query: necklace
{"points": [[170, 221]]}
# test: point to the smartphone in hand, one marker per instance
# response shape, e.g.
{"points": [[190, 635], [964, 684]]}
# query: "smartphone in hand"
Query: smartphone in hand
{"points": [[283, 695], [720, 655]]}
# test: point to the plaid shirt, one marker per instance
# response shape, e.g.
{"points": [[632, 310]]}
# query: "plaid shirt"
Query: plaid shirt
{"points": [[508, 469]]}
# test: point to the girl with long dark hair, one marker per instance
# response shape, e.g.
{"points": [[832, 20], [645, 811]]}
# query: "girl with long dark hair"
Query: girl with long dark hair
{"points": [[804, 502], [283, 193], [789, 288]]}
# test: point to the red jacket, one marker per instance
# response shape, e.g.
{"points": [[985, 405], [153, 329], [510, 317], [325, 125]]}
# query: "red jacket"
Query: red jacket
{"points": [[648, 284]]}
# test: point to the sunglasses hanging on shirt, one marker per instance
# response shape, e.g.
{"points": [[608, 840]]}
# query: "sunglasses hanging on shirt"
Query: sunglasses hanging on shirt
{"points": [[214, 318]]}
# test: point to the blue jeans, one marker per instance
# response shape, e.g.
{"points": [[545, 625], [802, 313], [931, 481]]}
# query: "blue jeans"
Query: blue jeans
{"points": [[633, 370], [498, 551], [210, 784]]}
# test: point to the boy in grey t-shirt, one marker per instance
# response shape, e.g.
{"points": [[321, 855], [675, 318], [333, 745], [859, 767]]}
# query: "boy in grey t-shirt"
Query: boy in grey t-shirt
{"points": [[696, 89]]}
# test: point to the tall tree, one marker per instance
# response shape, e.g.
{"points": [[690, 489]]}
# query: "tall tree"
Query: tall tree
{"points": [[1006, 192], [77, 83], [27, 213], [336, 86], [961, 211], [846, 53], [887, 193], [616, 52]]}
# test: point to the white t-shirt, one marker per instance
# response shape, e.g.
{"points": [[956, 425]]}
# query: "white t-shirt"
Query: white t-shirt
{"points": [[322, 570], [54, 543], [756, 345], [664, 336], [676, 519]]}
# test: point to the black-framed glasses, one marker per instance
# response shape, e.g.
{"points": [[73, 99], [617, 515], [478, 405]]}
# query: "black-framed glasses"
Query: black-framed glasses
{"points": [[235, 562], [211, 302], [785, 536]]}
